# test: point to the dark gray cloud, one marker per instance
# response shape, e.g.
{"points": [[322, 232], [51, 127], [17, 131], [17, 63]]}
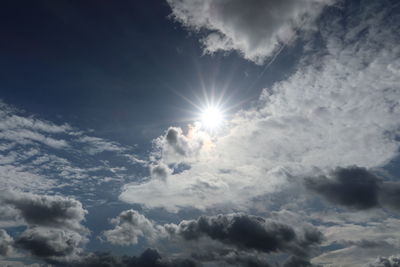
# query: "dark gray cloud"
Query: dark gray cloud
{"points": [[353, 187], [152, 258], [149, 258], [54, 231], [48, 243], [298, 262], [392, 261], [234, 239], [357, 188], [390, 195], [367, 243], [44, 210], [250, 233], [243, 260]]}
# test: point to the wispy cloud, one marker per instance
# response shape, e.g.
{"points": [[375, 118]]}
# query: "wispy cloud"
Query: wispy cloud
{"points": [[38, 155]]}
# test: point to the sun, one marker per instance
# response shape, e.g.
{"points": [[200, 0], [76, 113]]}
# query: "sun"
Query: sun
{"points": [[211, 118]]}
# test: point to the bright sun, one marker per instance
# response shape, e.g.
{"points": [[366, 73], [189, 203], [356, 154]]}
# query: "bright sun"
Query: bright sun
{"points": [[211, 118]]}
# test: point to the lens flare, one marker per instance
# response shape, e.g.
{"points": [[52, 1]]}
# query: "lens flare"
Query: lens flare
{"points": [[211, 118]]}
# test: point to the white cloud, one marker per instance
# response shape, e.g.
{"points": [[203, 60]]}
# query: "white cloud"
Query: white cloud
{"points": [[255, 28], [340, 108], [38, 155], [175, 146], [6, 243], [129, 227], [95, 145]]}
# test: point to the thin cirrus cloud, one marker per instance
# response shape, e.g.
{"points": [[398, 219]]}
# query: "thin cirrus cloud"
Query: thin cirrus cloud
{"points": [[340, 108], [39, 155]]}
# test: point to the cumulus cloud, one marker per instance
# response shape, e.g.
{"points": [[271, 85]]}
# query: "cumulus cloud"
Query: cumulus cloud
{"points": [[235, 239], [356, 188], [44, 210], [6, 243], [54, 225], [51, 243], [160, 171], [392, 261], [176, 147], [255, 28], [352, 187], [340, 108], [246, 232], [298, 262], [129, 226], [149, 258]]}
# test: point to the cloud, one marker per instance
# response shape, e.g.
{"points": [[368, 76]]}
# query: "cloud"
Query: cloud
{"points": [[6, 243], [51, 243], [339, 108], [11, 119], [255, 28], [37, 155], [246, 232], [149, 258], [392, 261], [176, 147], [357, 244], [129, 226], [48, 211], [54, 225], [356, 188], [95, 145], [235, 239], [389, 195], [352, 187], [298, 262]]}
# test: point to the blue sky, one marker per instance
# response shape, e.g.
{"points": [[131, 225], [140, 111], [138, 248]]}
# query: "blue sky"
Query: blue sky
{"points": [[106, 158]]}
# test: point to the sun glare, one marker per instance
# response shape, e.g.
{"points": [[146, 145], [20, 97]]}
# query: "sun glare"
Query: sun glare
{"points": [[211, 118]]}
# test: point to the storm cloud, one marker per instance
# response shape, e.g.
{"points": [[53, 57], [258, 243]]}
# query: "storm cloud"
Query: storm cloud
{"points": [[352, 187], [247, 232], [149, 258], [356, 188], [392, 261]]}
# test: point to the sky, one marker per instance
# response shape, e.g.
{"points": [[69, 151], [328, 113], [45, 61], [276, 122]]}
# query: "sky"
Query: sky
{"points": [[185, 133]]}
